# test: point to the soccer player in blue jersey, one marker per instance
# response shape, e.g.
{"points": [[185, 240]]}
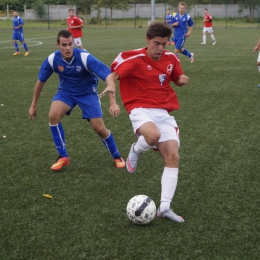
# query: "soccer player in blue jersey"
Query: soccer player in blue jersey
{"points": [[18, 34], [78, 73], [168, 20], [183, 26]]}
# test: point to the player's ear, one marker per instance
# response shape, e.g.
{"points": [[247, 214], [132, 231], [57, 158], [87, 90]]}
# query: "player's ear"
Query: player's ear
{"points": [[148, 40]]}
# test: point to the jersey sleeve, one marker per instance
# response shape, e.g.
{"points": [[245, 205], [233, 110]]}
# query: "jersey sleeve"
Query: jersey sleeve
{"points": [[123, 64], [177, 70], [95, 66], [77, 20], [45, 71], [21, 21], [190, 22]]}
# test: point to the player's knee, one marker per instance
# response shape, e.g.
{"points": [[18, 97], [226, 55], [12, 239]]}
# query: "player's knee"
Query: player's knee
{"points": [[53, 118], [152, 138], [172, 158]]}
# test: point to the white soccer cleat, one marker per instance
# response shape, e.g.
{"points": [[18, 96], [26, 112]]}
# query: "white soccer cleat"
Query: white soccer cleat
{"points": [[214, 42], [132, 160], [203, 43], [192, 58], [169, 214]]}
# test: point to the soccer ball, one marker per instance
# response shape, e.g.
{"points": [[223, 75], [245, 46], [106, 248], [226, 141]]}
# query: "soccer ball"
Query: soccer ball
{"points": [[141, 209]]}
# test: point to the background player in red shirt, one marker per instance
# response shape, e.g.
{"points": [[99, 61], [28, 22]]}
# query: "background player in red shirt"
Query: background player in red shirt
{"points": [[255, 50], [145, 75], [75, 25], [208, 27]]}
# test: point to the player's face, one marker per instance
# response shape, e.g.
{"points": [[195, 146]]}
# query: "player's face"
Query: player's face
{"points": [[168, 12], [71, 13], [15, 14], [156, 47], [182, 9], [205, 12], [66, 47]]}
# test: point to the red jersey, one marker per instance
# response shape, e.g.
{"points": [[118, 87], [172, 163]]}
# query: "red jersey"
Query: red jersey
{"points": [[208, 17], [145, 82], [74, 21]]}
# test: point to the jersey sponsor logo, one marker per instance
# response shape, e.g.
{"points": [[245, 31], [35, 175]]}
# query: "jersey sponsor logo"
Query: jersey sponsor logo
{"points": [[162, 78], [149, 67], [78, 68], [61, 68], [169, 69]]}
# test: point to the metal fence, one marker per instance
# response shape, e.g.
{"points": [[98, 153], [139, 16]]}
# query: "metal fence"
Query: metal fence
{"points": [[226, 14]]}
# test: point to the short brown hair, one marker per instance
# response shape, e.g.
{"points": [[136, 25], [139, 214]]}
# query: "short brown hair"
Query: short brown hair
{"points": [[65, 34], [71, 9], [158, 29]]}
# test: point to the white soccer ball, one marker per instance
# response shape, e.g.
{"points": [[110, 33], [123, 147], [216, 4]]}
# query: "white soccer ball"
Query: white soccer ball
{"points": [[141, 209]]}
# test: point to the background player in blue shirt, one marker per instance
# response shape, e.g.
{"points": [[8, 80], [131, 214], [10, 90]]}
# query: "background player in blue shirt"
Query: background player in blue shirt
{"points": [[168, 20], [78, 73], [183, 26], [18, 34]]}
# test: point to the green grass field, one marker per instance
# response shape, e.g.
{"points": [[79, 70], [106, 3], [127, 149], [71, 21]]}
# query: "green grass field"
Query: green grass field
{"points": [[218, 192]]}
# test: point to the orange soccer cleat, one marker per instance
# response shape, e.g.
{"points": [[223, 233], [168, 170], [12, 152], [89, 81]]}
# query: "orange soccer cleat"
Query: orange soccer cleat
{"points": [[61, 161], [119, 162]]}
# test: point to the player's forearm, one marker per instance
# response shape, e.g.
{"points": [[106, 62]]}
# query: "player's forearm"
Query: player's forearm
{"points": [[37, 91]]}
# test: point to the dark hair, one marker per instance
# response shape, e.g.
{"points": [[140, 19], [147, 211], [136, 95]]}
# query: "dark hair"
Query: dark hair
{"points": [[71, 9], [205, 9], [158, 29], [65, 34]]}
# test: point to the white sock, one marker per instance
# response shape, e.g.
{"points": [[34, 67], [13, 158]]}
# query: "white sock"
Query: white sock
{"points": [[204, 38], [259, 68], [141, 145], [169, 184], [212, 37]]}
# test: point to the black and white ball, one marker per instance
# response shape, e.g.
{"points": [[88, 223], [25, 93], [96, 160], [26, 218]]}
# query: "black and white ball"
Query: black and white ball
{"points": [[141, 209]]}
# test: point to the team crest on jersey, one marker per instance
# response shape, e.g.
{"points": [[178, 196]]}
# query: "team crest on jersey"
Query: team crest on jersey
{"points": [[78, 68], [169, 69], [61, 68], [162, 78], [149, 67]]}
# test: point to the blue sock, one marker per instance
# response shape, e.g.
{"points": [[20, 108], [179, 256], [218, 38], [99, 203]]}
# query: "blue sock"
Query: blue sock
{"points": [[58, 137], [16, 47], [110, 144], [25, 47], [186, 53]]}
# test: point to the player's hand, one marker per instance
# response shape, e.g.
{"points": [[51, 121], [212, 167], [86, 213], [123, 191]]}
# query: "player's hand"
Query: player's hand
{"points": [[187, 34], [109, 88], [32, 112], [183, 80], [256, 49], [114, 110]]}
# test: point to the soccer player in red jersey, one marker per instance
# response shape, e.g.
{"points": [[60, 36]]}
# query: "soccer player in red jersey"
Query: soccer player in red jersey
{"points": [[257, 47], [75, 25], [145, 75], [208, 27]]}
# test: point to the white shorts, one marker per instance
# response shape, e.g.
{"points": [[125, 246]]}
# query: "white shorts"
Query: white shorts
{"points": [[208, 29], [258, 59], [77, 41], [160, 117]]}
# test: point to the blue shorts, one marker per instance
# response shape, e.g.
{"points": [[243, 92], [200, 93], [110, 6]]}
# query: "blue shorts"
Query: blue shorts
{"points": [[179, 42], [18, 36], [89, 103]]}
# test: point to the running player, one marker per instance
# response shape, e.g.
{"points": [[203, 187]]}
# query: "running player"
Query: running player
{"points": [[145, 75], [183, 26]]}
